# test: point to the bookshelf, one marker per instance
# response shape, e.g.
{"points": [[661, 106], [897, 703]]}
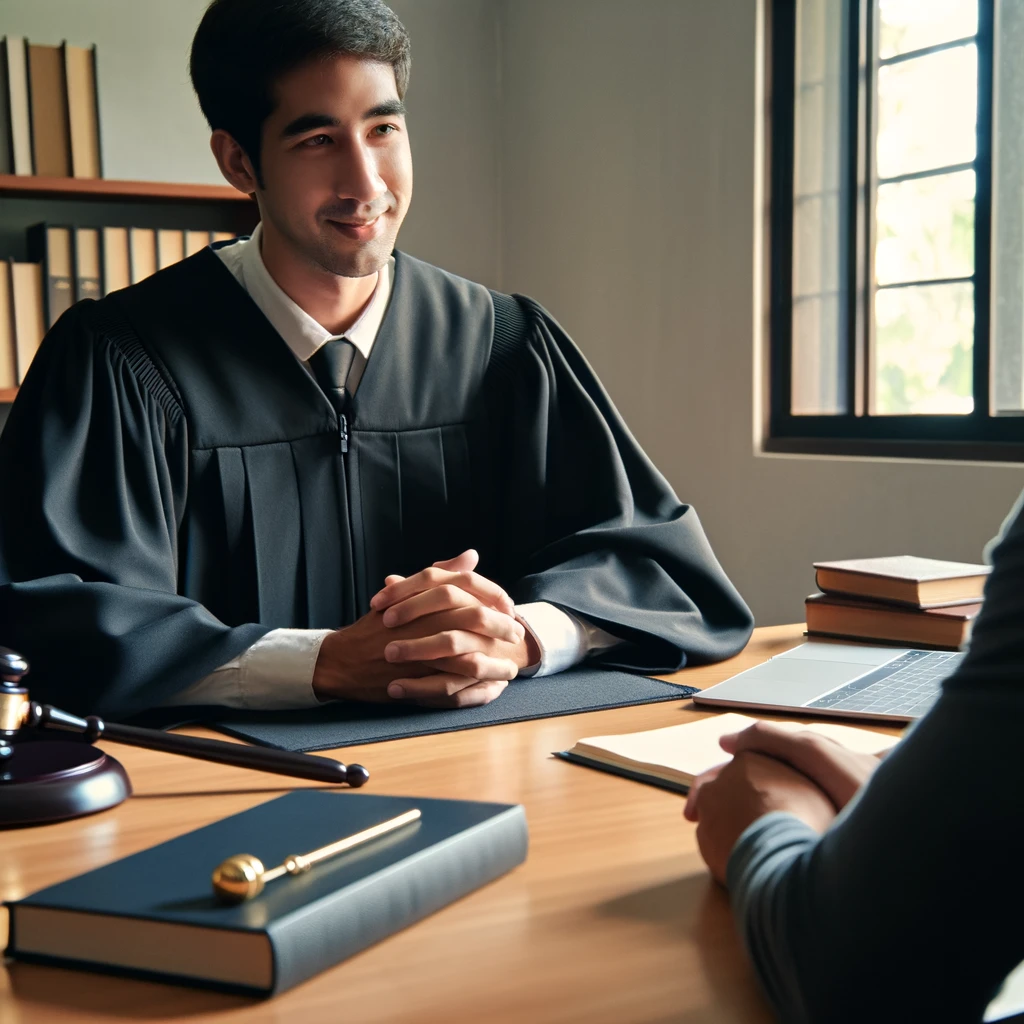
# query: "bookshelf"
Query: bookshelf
{"points": [[31, 185], [102, 202]]}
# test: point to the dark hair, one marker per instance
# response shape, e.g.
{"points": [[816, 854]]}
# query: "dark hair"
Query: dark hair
{"points": [[242, 47]]}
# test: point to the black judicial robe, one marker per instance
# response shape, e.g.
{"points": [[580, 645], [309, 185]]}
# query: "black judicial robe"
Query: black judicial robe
{"points": [[174, 486]]}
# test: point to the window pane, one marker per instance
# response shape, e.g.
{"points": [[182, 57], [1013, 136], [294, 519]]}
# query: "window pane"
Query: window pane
{"points": [[905, 25], [924, 341], [927, 112], [817, 381], [1008, 212], [925, 229], [818, 384]]}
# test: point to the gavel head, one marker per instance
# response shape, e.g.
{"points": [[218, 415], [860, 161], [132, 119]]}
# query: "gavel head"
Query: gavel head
{"points": [[238, 878], [14, 702]]}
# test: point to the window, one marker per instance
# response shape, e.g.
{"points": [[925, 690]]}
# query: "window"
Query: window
{"points": [[897, 228]]}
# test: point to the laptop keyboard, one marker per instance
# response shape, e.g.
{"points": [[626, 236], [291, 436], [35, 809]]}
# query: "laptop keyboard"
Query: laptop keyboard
{"points": [[908, 686]]}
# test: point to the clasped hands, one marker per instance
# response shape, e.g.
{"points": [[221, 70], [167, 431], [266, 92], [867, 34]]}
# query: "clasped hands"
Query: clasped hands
{"points": [[445, 637], [803, 773]]}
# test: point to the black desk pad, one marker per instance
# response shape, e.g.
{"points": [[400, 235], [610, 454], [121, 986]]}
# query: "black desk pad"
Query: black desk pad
{"points": [[349, 724]]}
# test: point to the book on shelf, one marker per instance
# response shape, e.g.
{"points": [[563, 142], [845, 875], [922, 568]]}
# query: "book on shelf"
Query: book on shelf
{"points": [[49, 110], [862, 619], [196, 241], [154, 914], [72, 263], [51, 246], [170, 247], [8, 350], [29, 313], [117, 272], [6, 157], [87, 264], [142, 248], [674, 756], [83, 114], [51, 149], [222, 236], [905, 579], [17, 137]]}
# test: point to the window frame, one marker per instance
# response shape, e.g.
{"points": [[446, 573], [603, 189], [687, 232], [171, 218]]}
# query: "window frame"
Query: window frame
{"points": [[979, 435]]}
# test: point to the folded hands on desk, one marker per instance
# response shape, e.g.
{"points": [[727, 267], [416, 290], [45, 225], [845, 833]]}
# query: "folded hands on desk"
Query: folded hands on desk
{"points": [[807, 775], [444, 637]]}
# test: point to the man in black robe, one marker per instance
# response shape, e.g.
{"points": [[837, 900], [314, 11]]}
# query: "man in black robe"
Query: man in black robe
{"points": [[232, 483]]}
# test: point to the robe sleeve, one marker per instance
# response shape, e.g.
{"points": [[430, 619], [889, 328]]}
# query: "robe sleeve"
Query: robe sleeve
{"points": [[590, 525], [94, 464]]}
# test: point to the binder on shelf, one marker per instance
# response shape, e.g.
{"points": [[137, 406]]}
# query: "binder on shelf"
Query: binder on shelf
{"points": [[87, 264], [142, 248], [196, 241], [50, 245], [170, 247], [8, 353], [83, 110], [18, 141], [29, 318], [116, 260], [6, 157], [51, 149]]}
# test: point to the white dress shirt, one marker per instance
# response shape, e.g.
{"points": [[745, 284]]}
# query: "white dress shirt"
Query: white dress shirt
{"points": [[277, 671]]}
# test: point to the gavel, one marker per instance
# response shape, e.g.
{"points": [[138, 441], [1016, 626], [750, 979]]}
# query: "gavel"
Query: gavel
{"points": [[18, 712]]}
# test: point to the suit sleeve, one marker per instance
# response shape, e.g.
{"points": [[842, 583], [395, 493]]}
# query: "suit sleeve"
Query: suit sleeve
{"points": [[593, 527], [94, 460], [908, 907]]}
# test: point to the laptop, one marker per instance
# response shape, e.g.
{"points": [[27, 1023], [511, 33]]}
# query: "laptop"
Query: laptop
{"points": [[888, 684]]}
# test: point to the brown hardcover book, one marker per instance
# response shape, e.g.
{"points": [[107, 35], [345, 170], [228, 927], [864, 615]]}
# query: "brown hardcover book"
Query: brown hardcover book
{"points": [[51, 143], [170, 247], [29, 315], [8, 351], [83, 119], [15, 53], [196, 241], [87, 263], [117, 272], [872, 620], [142, 246], [906, 579], [51, 246]]}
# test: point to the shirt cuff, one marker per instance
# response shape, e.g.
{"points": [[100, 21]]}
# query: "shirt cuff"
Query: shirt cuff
{"points": [[275, 674], [564, 639]]}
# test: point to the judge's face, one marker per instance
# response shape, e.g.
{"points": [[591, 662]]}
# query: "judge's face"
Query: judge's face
{"points": [[336, 164]]}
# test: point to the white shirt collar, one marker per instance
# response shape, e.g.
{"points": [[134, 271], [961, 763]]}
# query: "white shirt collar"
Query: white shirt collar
{"points": [[303, 334]]}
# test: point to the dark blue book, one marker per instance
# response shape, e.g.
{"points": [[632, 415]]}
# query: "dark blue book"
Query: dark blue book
{"points": [[154, 914]]}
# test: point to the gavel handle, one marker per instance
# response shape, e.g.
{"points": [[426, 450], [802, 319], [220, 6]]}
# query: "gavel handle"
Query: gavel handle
{"points": [[280, 762]]}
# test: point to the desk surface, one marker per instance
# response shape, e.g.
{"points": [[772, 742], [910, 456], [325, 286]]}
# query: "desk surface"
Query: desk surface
{"points": [[611, 919]]}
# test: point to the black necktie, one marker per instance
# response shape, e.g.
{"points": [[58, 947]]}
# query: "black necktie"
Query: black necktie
{"points": [[338, 365]]}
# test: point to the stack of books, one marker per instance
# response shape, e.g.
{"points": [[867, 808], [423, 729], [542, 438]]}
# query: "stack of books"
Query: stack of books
{"points": [[72, 263], [903, 599], [49, 121]]}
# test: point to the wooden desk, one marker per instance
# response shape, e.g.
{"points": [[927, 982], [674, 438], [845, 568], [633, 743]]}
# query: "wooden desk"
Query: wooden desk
{"points": [[612, 919]]}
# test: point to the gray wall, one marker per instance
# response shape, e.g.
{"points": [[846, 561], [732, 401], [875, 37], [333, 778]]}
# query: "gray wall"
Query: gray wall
{"points": [[602, 156], [630, 191]]}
